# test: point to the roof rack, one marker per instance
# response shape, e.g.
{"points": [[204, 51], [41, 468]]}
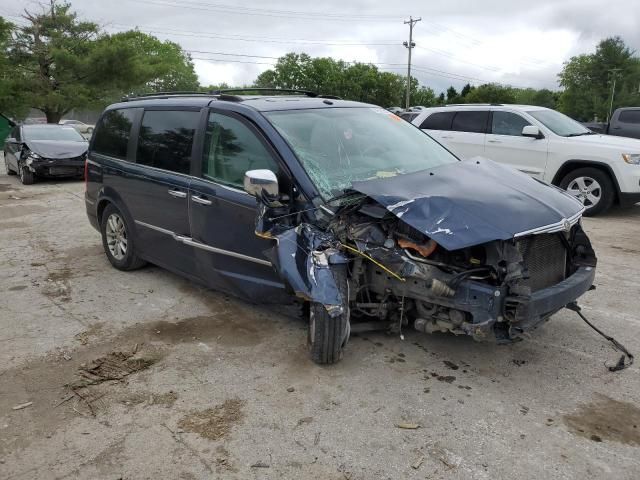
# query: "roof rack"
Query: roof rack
{"points": [[474, 105], [225, 94], [307, 93], [166, 95]]}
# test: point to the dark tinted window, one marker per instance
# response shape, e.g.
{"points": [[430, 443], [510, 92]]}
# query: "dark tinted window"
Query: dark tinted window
{"points": [[112, 133], [471, 121], [408, 116], [15, 133], [166, 138], [629, 116], [231, 149], [507, 123], [438, 121]]}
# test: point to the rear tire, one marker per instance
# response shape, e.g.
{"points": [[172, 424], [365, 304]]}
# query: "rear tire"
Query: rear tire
{"points": [[592, 187], [327, 336], [26, 176], [117, 240]]}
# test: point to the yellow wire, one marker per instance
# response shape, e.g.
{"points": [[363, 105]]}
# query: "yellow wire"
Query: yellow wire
{"points": [[355, 250]]}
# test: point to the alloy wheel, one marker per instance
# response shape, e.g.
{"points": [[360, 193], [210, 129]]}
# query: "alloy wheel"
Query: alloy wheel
{"points": [[116, 236], [585, 189]]}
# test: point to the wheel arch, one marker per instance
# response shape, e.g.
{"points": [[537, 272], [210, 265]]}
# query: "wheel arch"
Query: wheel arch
{"points": [[571, 165]]}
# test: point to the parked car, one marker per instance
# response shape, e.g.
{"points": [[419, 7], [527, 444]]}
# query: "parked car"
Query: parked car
{"points": [[44, 151], [396, 110], [625, 122], [598, 170], [361, 216], [78, 125]]}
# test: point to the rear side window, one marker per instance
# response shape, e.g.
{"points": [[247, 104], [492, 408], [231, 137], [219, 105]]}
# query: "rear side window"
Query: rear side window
{"points": [[438, 121], [112, 133], [231, 148], [507, 123], [629, 116], [166, 139], [471, 121], [408, 116]]}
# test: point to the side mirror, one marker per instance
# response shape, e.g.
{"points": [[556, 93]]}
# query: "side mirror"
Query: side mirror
{"points": [[532, 131], [257, 182]]}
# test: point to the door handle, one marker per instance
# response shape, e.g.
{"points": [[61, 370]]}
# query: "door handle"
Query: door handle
{"points": [[445, 137], [178, 194], [494, 141], [200, 200]]}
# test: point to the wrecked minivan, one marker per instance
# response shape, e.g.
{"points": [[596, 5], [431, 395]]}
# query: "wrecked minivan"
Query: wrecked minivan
{"points": [[360, 215]]}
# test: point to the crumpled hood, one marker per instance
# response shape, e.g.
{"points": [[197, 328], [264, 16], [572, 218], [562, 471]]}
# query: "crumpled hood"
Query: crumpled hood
{"points": [[57, 149], [470, 202]]}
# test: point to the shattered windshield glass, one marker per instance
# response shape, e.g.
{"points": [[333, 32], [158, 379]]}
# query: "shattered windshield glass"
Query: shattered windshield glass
{"points": [[338, 146]]}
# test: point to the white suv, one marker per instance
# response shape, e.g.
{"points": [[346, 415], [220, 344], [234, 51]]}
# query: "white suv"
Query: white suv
{"points": [[598, 169]]}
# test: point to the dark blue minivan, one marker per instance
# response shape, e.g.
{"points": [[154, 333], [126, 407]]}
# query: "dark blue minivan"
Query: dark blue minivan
{"points": [[342, 205]]}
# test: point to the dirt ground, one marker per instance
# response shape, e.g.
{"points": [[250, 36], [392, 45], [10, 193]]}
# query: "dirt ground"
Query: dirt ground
{"points": [[144, 375]]}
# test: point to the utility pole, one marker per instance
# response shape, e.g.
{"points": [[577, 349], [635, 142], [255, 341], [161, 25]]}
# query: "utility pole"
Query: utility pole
{"points": [[411, 22], [614, 75]]}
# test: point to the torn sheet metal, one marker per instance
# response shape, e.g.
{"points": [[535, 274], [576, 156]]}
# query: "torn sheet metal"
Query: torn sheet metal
{"points": [[470, 202], [303, 257]]}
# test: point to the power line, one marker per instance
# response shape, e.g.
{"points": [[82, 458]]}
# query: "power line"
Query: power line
{"points": [[239, 10]]}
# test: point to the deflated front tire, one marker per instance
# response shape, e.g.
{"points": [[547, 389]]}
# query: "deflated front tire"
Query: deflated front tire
{"points": [[327, 335]]}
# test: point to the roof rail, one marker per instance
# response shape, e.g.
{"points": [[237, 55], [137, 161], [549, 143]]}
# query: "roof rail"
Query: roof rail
{"points": [[473, 105], [165, 95], [308, 93]]}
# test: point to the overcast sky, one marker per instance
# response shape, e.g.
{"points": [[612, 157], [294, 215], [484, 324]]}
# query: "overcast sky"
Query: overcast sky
{"points": [[516, 42]]}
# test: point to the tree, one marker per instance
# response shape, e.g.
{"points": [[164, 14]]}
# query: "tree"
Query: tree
{"points": [[491, 93], [466, 90], [354, 81], [11, 101], [452, 95], [65, 63], [587, 80]]}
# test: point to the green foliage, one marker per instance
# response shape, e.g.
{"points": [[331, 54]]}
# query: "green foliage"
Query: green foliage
{"points": [[587, 81], [10, 101], [357, 81], [63, 63], [491, 93]]}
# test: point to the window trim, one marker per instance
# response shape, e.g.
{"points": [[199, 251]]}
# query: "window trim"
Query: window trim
{"points": [[490, 124], [262, 138]]}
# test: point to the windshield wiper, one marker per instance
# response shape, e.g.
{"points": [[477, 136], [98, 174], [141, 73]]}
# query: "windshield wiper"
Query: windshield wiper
{"points": [[580, 134]]}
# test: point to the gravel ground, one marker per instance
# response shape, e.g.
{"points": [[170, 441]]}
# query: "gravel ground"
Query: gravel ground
{"points": [[200, 385]]}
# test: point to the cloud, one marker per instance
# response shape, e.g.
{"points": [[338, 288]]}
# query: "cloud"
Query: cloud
{"points": [[515, 42]]}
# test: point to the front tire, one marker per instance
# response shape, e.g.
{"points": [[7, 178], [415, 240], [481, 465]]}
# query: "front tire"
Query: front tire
{"points": [[117, 240], [26, 176], [327, 336], [592, 187]]}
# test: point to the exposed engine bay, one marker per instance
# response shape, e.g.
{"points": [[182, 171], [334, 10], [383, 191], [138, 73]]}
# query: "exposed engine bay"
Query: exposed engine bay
{"points": [[401, 277]]}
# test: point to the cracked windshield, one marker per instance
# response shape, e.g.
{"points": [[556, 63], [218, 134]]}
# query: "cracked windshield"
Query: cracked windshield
{"points": [[338, 146]]}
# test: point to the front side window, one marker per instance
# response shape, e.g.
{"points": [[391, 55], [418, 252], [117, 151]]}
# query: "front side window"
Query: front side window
{"points": [[338, 146], [629, 116], [507, 123], [474, 121], [112, 133], [166, 139], [559, 123], [230, 149]]}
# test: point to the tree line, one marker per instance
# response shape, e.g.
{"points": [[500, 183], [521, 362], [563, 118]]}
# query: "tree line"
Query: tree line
{"points": [[56, 62]]}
